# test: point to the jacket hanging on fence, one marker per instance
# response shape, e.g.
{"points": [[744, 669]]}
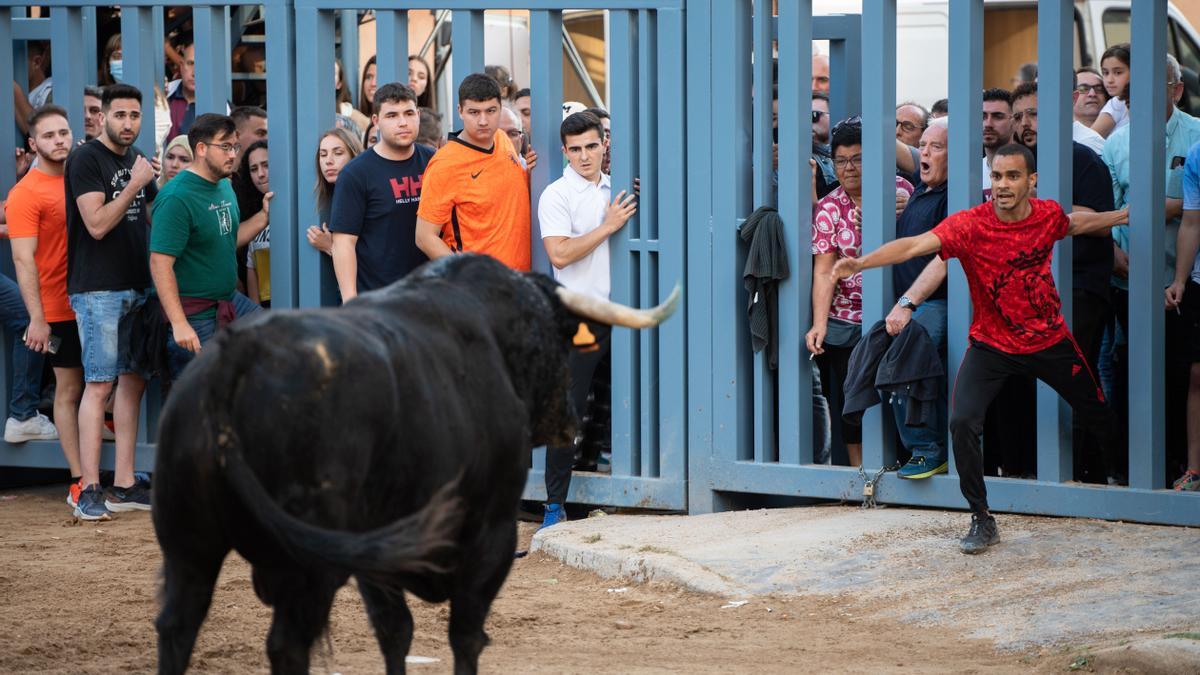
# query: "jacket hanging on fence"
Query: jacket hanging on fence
{"points": [[906, 365], [766, 266]]}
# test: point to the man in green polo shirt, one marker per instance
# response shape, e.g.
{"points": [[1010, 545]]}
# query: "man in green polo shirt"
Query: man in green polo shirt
{"points": [[195, 233]]}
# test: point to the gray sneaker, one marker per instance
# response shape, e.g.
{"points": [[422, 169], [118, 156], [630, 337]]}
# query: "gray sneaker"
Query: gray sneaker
{"points": [[983, 533], [36, 428], [133, 498], [91, 504]]}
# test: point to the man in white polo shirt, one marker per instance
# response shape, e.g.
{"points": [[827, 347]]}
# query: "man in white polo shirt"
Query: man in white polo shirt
{"points": [[577, 218]]}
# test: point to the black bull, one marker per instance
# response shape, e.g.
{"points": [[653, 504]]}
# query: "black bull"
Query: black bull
{"points": [[388, 440]]}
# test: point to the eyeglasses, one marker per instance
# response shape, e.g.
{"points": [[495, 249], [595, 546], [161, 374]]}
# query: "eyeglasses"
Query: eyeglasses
{"points": [[844, 163], [816, 115], [1085, 88], [514, 133], [908, 126], [232, 148]]}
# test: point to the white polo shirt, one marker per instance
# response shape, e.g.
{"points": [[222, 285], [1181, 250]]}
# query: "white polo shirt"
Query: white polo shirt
{"points": [[572, 206]]}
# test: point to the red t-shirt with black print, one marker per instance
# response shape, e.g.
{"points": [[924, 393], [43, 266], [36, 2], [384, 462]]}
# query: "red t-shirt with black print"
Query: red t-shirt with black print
{"points": [[1017, 309]]}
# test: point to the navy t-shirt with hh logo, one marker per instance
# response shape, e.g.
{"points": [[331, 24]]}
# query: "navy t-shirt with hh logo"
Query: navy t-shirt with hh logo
{"points": [[376, 200]]}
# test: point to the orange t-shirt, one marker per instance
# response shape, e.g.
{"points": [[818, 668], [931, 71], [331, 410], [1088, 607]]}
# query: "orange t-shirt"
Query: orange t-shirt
{"points": [[481, 198], [37, 207]]}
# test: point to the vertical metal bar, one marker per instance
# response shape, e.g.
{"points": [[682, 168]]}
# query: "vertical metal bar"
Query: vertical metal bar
{"points": [[66, 47], [1147, 193], [701, 450], [795, 208], [672, 237], [466, 34], [281, 98], [8, 139], [160, 63], [212, 59], [623, 34], [348, 52], [733, 397], [90, 69], [314, 55], [138, 51], [845, 56], [966, 174], [647, 232], [391, 46], [765, 439], [545, 68], [879, 193], [1056, 22]]}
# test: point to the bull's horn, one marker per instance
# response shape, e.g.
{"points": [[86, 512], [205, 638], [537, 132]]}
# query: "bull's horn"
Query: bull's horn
{"points": [[614, 314]]}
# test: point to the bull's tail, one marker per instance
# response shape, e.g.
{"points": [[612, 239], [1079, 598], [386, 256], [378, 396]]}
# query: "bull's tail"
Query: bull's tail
{"points": [[419, 544]]}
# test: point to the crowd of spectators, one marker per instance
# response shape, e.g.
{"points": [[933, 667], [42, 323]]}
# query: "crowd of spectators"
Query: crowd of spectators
{"points": [[127, 265]]}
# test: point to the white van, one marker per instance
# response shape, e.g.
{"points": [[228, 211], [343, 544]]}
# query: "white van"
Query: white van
{"points": [[1010, 39]]}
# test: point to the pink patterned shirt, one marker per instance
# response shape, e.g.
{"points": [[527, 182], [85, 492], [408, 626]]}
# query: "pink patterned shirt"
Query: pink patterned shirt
{"points": [[834, 231]]}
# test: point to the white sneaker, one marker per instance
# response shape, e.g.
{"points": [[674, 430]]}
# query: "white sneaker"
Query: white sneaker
{"points": [[107, 434], [36, 428]]}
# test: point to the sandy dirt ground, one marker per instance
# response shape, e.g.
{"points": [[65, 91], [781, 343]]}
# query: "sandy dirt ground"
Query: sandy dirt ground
{"points": [[81, 598]]}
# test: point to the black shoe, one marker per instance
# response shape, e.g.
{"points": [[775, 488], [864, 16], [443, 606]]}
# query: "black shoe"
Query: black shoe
{"points": [[983, 533], [133, 498]]}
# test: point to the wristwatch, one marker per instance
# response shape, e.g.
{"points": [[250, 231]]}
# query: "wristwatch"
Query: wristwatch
{"points": [[906, 303]]}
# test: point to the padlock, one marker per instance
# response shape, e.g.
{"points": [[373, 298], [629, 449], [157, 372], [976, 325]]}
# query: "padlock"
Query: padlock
{"points": [[868, 489]]}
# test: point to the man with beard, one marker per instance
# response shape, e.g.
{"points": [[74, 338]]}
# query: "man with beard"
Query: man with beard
{"points": [[37, 226], [197, 230], [997, 130], [93, 120], [1005, 247], [109, 184]]}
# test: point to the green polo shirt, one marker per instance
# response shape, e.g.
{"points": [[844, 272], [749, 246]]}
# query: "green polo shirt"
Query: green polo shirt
{"points": [[196, 221]]}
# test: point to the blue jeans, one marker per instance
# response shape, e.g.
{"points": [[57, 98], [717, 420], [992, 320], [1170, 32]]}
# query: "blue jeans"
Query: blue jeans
{"points": [[98, 315], [26, 363], [928, 441], [178, 357]]}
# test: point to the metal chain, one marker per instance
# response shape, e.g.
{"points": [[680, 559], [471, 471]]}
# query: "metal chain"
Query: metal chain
{"points": [[870, 485]]}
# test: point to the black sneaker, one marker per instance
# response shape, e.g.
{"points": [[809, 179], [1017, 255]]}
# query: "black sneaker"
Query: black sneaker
{"points": [[133, 498], [983, 533]]}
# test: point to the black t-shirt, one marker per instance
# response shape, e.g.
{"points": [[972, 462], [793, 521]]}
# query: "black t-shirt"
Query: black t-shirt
{"points": [[925, 209], [119, 260], [376, 200], [1091, 186]]}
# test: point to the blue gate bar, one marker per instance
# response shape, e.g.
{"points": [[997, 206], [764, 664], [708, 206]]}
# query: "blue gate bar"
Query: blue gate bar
{"points": [[1147, 193], [314, 55], [391, 46], [699, 300], [1056, 22], [623, 66], [733, 402], [845, 56], [669, 187], [158, 28], [282, 151], [139, 50], [643, 268], [66, 47], [966, 173], [545, 68], [24, 28], [348, 52], [879, 193], [212, 59], [466, 34], [795, 208], [765, 405], [8, 139]]}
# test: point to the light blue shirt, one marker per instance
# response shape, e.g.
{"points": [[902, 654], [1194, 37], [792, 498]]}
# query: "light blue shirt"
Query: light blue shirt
{"points": [[1191, 194], [1182, 132]]}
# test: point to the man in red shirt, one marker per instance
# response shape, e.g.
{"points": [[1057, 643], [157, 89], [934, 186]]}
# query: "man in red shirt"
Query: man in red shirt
{"points": [[1005, 247]]}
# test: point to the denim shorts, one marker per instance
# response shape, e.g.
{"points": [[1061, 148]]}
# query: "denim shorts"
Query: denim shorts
{"points": [[105, 349]]}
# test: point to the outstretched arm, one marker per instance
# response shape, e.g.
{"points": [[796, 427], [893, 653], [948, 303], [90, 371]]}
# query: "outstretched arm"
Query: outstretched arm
{"points": [[1085, 223], [893, 252]]}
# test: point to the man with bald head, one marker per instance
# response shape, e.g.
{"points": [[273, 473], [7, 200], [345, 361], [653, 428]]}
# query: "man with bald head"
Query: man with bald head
{"points": [[921, 283], [911, 121], [820, 74]]}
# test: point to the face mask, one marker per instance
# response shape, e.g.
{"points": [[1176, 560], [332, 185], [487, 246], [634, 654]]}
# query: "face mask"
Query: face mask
{"points": [[116, 69]]}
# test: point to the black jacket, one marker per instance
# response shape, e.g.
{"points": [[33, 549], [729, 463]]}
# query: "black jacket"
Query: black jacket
{"points": [[907, 365], [766, 266]]}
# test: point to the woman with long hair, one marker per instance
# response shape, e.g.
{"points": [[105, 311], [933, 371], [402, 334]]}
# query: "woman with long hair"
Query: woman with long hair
{"points": [[1114, 70], [420, 80], [334, 151], [175, 157], [366, 88], [255, 173], [344, 107]]}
